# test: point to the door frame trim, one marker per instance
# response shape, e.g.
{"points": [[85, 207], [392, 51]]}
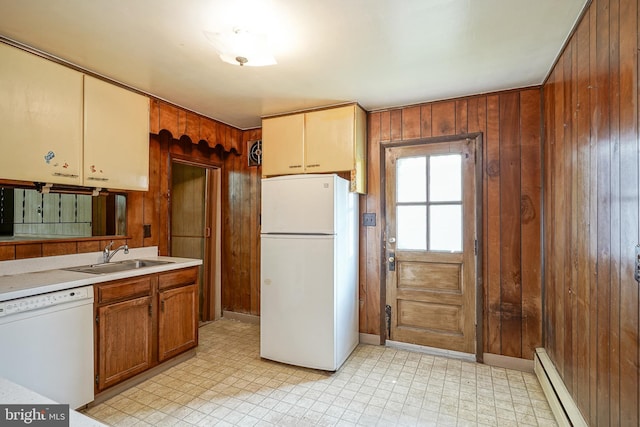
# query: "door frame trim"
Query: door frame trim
{"points": [[478, 142]]}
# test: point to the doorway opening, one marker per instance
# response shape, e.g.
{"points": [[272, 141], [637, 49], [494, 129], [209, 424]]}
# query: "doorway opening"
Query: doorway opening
{"points": [[195, 227]]}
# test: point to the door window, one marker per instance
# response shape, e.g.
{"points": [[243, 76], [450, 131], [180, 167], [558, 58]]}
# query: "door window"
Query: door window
{"points": [[429, 203]]}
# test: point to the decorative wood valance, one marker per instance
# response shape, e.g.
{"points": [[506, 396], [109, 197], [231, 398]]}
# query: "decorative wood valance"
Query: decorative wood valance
{"points": [[179, 123]]}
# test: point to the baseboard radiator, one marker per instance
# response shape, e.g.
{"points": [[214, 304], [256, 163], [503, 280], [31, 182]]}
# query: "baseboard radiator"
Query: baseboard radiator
{"points": [[562, 404]]}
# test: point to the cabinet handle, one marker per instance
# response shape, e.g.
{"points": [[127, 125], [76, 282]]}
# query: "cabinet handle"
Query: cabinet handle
{"points": [[294, 166], [66, 175], [162, 305], [94, 178], [315, 165], [150, 310]]}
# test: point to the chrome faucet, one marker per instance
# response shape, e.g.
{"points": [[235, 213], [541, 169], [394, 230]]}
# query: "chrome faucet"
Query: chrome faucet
{"points": [[107, 254]]}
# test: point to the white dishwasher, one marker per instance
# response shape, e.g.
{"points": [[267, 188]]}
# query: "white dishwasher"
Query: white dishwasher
{"points": [[46, 344]]}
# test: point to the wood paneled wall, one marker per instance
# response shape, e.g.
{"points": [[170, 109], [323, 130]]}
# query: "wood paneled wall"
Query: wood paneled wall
{"points": [[510, 123], [592, 212], [239, 220], [241, 232]]}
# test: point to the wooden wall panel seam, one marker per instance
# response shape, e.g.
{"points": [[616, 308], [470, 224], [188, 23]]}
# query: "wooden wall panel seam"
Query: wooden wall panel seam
{"points": [[614, 185], [493, 342], [510, 222], [530, 228]]}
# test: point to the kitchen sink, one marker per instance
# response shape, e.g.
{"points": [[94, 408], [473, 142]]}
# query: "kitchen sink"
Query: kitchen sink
{"points": [[114, 267]]}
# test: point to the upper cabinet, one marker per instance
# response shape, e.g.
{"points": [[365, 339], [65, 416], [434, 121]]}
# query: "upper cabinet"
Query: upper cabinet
{"points": [[40, 118], [62, 127], [321, 141], [285, 138], [116, 137]]}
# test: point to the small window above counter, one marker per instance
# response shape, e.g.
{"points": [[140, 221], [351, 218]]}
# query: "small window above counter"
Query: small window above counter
{"points": [[318, 141], [28, 215]]}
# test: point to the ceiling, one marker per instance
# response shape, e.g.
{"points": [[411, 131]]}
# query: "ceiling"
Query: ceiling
{"points": [[380, 53]]}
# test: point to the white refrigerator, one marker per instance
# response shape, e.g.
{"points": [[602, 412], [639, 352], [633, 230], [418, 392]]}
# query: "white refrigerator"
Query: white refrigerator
{"points": [[308, 271]]}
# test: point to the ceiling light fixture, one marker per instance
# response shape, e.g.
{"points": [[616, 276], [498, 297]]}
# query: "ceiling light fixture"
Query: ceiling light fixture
{"points": [[242, 47]]}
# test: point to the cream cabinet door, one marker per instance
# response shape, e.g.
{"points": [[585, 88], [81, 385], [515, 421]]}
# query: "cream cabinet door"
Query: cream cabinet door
{"points": [[116, 137], [40, 118], [283, 145], [329, 140]]}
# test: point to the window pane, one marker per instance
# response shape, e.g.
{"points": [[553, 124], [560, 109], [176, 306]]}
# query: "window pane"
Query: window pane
{"points": [[445, 178], [445, 228], [411, 179], [412, 227]]}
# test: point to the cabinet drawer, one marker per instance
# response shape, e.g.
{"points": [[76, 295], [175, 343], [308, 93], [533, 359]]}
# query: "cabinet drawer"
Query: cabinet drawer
{"points": [[171, 279], [124, 289]]}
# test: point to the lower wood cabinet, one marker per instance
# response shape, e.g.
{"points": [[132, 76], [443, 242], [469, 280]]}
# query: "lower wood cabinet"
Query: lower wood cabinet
{"points": [[143, 321], [177, 325], [124, 351]]}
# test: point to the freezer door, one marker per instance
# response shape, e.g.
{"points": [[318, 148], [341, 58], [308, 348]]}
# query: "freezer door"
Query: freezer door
{"points": [[297, 301], [301, 203]]}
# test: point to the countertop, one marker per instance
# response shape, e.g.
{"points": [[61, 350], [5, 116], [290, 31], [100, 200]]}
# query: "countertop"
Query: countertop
{"points": [[12, 393], [23, 278]]}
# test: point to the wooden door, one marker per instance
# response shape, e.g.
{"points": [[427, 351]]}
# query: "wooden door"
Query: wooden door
{"points": [[177, 321], [188, 217], [430, 244], [283, 145], [124, 340]]}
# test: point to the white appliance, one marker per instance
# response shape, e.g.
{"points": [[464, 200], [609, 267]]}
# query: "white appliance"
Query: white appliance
{"points": [[47, 344], [309, 271]]}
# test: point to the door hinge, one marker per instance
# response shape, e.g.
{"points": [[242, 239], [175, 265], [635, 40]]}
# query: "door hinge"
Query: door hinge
{"points": [[97, 379], [387, 316], [637, 269], [475, 247], [97, 318], [150, 310]]}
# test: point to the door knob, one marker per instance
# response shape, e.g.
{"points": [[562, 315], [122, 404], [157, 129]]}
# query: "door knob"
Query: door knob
{"points": [[392, 239], [392, 259]]}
